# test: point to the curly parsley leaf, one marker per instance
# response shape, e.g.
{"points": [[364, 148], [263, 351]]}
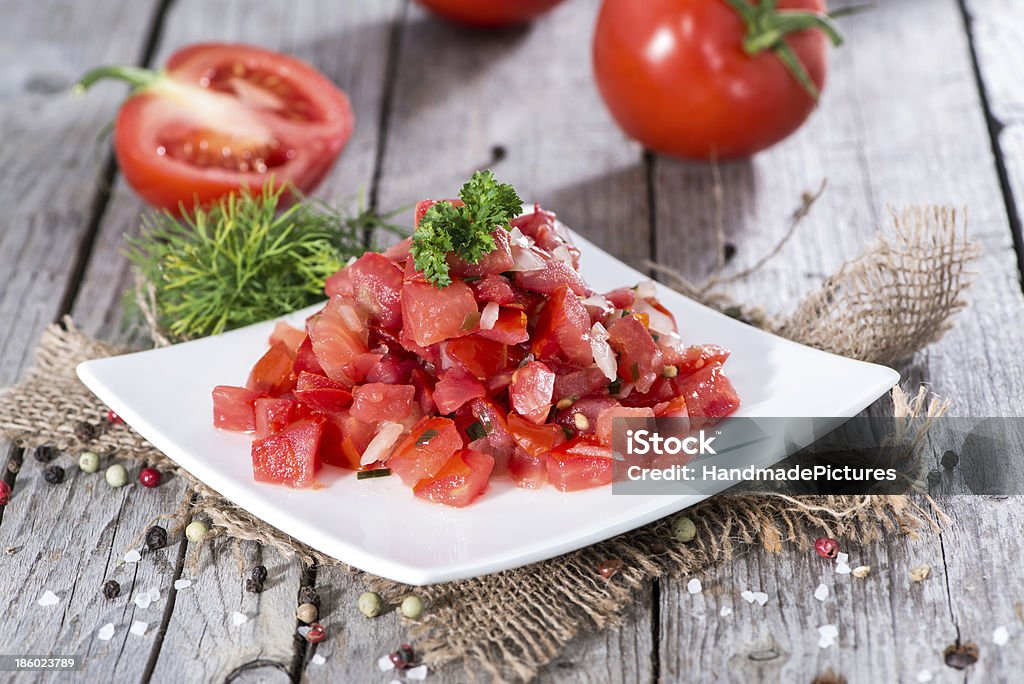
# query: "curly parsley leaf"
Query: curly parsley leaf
{"points": [[463, 230]]}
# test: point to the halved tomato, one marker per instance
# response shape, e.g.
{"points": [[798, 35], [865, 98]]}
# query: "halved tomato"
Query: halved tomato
{"points": [[462, 479], [220, 117], [580, 463]]}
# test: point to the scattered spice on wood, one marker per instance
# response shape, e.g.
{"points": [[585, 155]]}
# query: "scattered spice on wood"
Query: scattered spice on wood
{"points": [[111, 589], [412, 607], [53, 474], [370, 604], [829, 677], [826, 547], [403, 658], [114, 419], [44, 454], [116, 476], [254, 583], [306, 613], [149, 477], [950, 459], [156, 538], [196, 531], [861, 571], [5, 493], [961, 655], [85, 432], [89, 462], [684, 529], [610, 568], [316, 633], [921, 572], [309, 595]]}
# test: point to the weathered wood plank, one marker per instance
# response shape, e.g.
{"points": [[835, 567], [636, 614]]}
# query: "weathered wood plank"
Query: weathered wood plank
{"points": [[878, 140], [450, 119]]}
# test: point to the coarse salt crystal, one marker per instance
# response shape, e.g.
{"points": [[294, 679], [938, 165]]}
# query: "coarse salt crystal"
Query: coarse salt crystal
{"points": [[693, 586], [143, 600], [384, 664], [924, 676], [725, 611], [48, 599], [239, 619], [748, 596], [303, 631], [318, 659], [825, 642], [106, 632], [139, 628], [132, 556], [830, 631], [760, 597], [418, 673], [842, 558], [182, 584], [1000, 636], [843, 569], [821, 593], [154, 594]]}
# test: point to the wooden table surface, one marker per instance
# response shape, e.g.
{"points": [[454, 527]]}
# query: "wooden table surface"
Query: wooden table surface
{"points": [[922, 106]]}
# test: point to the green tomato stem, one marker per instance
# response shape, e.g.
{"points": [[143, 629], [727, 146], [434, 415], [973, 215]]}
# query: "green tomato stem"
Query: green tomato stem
{"points": [[137, 77]]}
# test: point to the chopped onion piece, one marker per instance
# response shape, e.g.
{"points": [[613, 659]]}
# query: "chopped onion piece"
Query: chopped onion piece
{"points": [[604, 357], [379, 447], [489, 316], [351, 318], [599, 301], [656, 320], [525, 259], [646, 289], [519, 239], [561, 252]]}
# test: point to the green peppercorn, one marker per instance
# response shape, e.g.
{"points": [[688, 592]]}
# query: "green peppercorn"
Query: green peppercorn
{"points": [[89, 461], [371, 604], [117, 475], [196, 530], [412, 607], [683, 529]]}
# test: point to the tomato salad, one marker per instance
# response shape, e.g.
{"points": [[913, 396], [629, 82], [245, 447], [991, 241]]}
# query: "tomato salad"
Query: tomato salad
{"points": [[515, 369]]}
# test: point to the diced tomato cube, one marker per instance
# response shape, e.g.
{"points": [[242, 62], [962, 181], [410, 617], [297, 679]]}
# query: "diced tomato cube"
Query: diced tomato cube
{"points": [[377, 285], [461, 480], [492, 420], [455, 389], [399, 251], [374, 402], [530, 391], [340, 283], [494, 262], [391, 370], [674, 408], [431, 314], [493, 288], [589, 408], [554, 275], [527, 470], [692, 359], [563, 330], [481, 357], [290, 457], [621, 298], [709, 394], [425, 450], [424, 384], [606, 420], [510, 328], [535, 439], [305, 359], [339, 336], [580, 383], [320, 393], [234, 408], [580, 463], [273, 414], [273, 373], [291, 336], [344, 440], [640, 360]]}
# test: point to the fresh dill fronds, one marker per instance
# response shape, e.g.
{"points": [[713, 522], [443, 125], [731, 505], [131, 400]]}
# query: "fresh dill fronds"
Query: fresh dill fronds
{"points": [[242, 261], [465, 230]]}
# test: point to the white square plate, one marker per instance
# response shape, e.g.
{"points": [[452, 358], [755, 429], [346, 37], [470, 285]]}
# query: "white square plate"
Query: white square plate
{"points": [[377, 524]]}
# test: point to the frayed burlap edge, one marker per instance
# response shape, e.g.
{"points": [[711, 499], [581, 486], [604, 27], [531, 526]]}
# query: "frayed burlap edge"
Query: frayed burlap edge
{"points": [[884, 306]]}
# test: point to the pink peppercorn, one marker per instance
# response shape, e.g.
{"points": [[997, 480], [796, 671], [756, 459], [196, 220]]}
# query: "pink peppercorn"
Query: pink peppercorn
{"points": [[5, 493], [149, 477], [114, 418], [826, 547]]}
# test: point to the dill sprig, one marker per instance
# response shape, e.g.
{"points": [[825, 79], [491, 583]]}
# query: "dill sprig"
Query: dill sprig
{"points": [[241, 261]]}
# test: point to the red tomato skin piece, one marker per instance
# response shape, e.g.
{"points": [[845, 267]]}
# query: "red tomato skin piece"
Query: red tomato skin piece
{"points": [[580, 463], [534, 439], [374, 402], [414, 461], [290, 457], [675, 77], [273, 414], [709, 394], [479, 356], [431, 314], [460, 481], [510, 328], [234, 408], [273, 373], [530, 392], [563, 329], [320, 393], [490, 13]]}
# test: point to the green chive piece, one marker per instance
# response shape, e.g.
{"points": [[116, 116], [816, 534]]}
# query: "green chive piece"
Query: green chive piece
{"points": [[426, 437], [476, 431], [376, 472]]}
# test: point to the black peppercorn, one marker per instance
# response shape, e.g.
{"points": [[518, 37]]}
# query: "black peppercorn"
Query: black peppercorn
{"points": [[85, 432], [254, 584], [53, 474], [14, 466], [253, 587], [728, 251], [111, 589], [950, 459], [45, 454], [156, 538], [934, 479], [259, 573], [309, 595]]}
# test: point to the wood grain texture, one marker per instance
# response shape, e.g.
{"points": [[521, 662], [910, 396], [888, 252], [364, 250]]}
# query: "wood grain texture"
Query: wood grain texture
{"points": [[877, 141]]}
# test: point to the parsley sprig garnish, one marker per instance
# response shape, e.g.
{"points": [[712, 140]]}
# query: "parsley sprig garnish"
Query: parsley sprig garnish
{"points": [[463, 230]]}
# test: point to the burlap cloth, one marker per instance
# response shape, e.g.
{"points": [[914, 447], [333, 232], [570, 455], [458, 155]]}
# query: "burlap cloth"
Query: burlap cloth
{"points": [[882, 307]]}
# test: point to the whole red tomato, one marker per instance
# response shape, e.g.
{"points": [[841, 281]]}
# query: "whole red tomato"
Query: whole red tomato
{"points": [[220, 117], [699, 79], [490, 13]]}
